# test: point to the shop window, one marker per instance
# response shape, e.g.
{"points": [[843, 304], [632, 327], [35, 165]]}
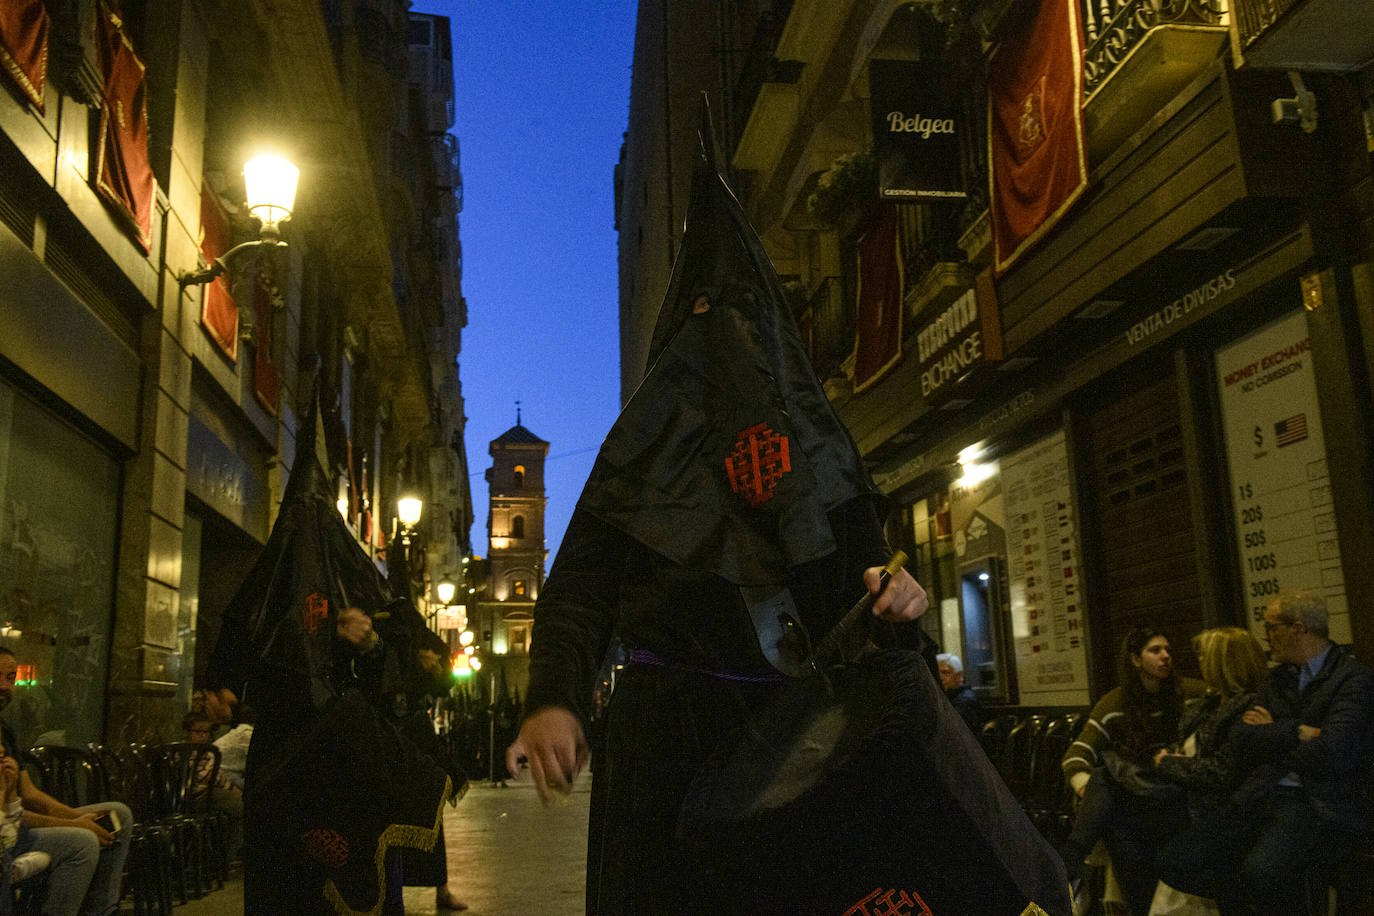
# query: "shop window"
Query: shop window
{"points": [[58, 522]]}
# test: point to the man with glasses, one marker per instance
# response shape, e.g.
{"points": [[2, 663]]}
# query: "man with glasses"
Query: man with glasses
{"points": [[1311, 732]]}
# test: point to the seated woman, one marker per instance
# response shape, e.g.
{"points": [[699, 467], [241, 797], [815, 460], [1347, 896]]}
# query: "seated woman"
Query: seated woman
{"points": [[1126, 728], [1205, 763]]}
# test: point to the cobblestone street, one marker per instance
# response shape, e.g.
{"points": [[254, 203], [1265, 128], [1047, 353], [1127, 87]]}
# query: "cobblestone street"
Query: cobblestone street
{"points": [[508, 856]]}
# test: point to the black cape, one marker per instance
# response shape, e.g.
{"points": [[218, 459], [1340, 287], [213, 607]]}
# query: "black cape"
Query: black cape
{"points": [[728, 456], [727, 460], [332, 786]]}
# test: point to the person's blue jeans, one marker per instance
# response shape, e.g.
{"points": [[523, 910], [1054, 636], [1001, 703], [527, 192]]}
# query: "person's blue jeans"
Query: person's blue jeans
{"points": [[80, 869]]}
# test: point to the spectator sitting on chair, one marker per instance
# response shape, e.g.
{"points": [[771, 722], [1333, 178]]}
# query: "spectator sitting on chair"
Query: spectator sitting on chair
{"points": [[16, 840], [233, 745], [1311, 735], [961, 695], [1125, 729], [227, 797], [88, 845]]}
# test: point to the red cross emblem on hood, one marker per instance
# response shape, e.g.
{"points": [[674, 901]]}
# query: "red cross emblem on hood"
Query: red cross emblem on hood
{"points": [[756, 463]]}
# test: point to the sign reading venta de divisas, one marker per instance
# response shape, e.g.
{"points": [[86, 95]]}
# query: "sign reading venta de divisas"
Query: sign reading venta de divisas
{"points": [[961, 342]]}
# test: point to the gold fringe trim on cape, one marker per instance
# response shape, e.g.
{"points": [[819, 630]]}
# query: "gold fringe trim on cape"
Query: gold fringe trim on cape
{"points": [[408, 836]]}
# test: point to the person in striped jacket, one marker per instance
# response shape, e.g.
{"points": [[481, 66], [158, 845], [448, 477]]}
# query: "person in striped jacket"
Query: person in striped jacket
{"points": [[1126, 727]]}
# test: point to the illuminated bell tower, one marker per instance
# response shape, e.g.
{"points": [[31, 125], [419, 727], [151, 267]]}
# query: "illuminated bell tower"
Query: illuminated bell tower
{"points": [[516, 552]]}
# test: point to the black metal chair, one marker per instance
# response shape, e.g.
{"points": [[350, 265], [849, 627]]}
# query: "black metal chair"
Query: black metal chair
{"points": [[1019, 754], [67, 774], [993, 737], [184, 777], [149, 870], [1050, 801]]}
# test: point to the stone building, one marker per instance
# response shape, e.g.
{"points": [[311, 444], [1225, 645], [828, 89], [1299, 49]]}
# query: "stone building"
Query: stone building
{"points": [[148, 418], [515, 560], [1154, 402]]}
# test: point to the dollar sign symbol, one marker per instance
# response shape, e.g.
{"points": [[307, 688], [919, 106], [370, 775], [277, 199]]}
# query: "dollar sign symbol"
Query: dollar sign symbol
{"points": [[1259, 437]]}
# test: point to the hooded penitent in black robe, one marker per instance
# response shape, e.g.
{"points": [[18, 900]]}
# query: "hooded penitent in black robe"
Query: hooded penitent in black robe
{"points": [[728, 474], [333, 790]]}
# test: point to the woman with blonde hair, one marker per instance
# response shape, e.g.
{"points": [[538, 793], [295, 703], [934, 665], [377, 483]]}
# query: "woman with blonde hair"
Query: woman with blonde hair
{"points": [[1206, 763], [1233, 666]]}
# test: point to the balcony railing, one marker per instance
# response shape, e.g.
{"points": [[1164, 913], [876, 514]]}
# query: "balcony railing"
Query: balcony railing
{"points": [[832, 328], [1113, 28]]}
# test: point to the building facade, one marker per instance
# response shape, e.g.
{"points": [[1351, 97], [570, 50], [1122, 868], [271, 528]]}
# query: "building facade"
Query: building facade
{"points": [[148, 420], [1153, 403]]}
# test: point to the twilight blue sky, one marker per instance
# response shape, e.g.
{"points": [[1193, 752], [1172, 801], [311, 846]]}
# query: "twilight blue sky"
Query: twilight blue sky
{"points": [[543, 90]]}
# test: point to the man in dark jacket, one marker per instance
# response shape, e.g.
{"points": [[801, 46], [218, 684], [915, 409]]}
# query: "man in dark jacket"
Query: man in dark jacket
{"points": [[1311, 731], [961, 695]]}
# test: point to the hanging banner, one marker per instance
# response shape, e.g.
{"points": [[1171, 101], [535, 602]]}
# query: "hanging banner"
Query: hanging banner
{"points": [[1285, 523], [1039, 164], [24, 46], [219, 315], [915, 130], [1048, 618], [123, 175], [878, 329]]}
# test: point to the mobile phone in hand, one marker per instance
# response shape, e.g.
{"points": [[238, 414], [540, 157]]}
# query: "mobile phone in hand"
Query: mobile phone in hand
{"points": [[109, 820]]}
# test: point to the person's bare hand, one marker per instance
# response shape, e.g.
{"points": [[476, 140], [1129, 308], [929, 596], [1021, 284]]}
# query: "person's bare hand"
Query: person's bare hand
{"points": [[1161, 754], [10, 767], [903, 599], [1257, 715], [355, 627], [87, 821], [1308, 732], [551, 739]]}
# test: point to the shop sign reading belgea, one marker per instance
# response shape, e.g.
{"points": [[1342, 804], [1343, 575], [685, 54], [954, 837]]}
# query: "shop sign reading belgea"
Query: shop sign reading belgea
{"points": [[958, 342], [898, 123], [914, 116]]}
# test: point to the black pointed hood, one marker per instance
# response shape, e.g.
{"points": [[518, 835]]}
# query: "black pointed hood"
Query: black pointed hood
{"points": [[282, 618], [728, 456]]}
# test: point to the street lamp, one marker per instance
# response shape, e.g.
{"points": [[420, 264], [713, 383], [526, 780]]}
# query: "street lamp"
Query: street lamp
{"points": [[408, 509], [270, 182], [444, 592]]}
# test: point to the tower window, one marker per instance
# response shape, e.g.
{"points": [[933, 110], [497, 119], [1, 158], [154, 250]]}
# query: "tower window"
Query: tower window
{"points": [[519, 478], [518, 588], [517, 527]]}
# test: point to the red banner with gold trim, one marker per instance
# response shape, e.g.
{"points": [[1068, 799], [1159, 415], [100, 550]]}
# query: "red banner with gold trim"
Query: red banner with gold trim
{"points": [[219, 314], [1035, 129], [878, 328], [123, 175], [24, 46]]}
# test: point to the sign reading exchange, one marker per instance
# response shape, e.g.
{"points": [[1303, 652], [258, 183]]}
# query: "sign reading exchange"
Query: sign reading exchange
{"points": [[958, 343]]}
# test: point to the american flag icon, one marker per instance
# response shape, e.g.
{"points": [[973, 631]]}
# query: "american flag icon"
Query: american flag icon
{"points": [[1294, 429]]}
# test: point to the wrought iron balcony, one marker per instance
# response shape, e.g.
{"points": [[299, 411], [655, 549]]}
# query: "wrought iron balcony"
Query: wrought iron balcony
{"points": [[1305, 34], [1114, 29]]}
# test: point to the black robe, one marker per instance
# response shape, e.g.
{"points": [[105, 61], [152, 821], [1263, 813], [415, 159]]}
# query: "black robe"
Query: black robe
{"points": [[332, 788]]}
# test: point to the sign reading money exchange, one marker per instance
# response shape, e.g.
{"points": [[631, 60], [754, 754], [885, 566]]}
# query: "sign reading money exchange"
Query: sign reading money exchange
{"points": [[960, 345], [915, 130]]}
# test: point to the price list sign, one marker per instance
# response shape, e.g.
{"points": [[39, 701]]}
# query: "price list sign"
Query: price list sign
{"points": [[1281, 492], [1047, 610]]}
